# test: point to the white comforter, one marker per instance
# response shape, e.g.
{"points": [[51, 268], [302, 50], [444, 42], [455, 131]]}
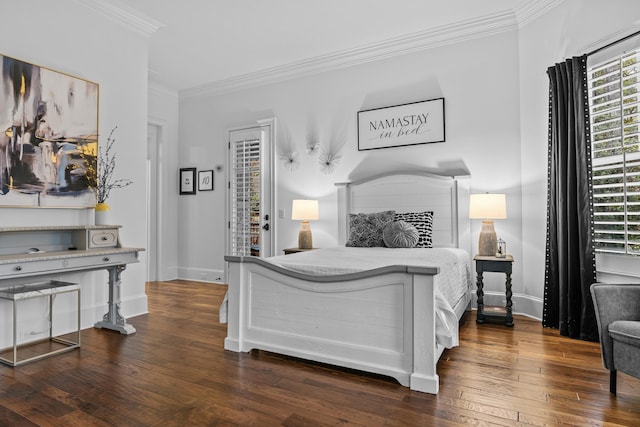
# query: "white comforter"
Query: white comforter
{"points": [[453, 280]]}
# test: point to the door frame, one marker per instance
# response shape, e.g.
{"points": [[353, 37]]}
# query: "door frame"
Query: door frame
{"points": [[155, 252], [269, 126]]}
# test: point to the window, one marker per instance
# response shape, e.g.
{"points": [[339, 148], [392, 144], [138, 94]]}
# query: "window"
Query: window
{"points": [[615, 149]]}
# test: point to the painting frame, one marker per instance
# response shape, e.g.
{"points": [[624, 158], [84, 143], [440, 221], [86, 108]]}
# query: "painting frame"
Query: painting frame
{"points": [[414, 123], [187, 181], [51, 137], [205, 180]]}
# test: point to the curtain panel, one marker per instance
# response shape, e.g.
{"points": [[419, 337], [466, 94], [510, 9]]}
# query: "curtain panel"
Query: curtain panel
{"points": [[570, 255]]}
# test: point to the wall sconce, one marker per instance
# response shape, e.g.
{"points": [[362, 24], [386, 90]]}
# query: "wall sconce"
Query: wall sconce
{"points": [[487, 207], [304, 210]]}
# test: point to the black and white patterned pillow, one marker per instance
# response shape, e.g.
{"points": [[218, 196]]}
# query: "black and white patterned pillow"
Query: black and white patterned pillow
{"points": [[365, 230], [400, 234], [423, 222]]}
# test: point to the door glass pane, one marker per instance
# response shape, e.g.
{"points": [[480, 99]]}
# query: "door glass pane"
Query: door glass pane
{"points": [[245, 189]]}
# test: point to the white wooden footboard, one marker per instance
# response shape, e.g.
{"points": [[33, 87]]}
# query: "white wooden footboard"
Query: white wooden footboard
{"points": [[380, 321]]}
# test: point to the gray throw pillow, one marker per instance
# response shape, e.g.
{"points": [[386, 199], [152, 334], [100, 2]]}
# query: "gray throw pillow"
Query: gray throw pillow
{"points": [[400, 234], [365, 230]]}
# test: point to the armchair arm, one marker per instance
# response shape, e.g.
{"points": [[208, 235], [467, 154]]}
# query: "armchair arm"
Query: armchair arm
{"points": [[613, 302]]}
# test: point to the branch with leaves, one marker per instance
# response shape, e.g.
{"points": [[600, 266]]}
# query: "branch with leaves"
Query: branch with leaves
{"points": [[106, 167]]}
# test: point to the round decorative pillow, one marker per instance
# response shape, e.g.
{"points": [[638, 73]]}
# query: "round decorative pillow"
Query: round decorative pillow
{"points": [[400, 234]]}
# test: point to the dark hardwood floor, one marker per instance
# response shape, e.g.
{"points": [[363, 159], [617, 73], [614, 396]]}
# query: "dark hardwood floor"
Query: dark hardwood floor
{"points": [[174, 372]]}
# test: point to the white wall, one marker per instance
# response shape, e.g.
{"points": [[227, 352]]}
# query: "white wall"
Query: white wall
{"points": [[495, 89], [66, 36], [571, 29], [479, 80]]}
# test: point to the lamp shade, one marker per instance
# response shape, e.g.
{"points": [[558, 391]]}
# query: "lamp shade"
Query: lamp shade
{"points": [[304, 210], [487, 206]]}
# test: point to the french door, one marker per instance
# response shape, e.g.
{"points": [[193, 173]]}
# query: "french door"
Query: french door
{"points": [[251, 192]]}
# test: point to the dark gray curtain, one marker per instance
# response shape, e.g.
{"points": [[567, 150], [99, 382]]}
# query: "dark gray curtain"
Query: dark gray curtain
{"points": [[570, 259]]}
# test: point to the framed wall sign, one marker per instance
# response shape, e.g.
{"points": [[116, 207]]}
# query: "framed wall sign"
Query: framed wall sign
{"points": [[408, 124], [187, 180], [205, 180]]}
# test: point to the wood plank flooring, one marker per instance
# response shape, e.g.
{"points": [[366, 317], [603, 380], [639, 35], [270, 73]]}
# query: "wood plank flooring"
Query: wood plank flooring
{"points": [[175, 372]]}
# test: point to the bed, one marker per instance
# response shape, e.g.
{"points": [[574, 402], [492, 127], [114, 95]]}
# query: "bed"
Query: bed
{"points": [[375, 309]]}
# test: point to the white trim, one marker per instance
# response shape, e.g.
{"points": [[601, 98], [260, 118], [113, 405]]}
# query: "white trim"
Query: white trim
{"points": [[271, 124], [531, 10], [172, 274], [201, 274], [132, 306], [161, 141], [436, 37], [483, 26], [154, 87], [123, 14]]}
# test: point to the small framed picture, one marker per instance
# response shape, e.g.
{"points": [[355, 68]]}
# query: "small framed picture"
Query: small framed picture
{"points": [[187, 180], [205, 180]]}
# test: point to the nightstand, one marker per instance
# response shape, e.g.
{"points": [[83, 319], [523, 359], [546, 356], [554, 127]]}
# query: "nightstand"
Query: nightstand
{"points": [[296, 250], [497, 265]]}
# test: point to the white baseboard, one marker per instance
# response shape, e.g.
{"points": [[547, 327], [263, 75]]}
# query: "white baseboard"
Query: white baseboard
{"points": [[135, 306], [201, 274], [171, 274], [129, 307]]}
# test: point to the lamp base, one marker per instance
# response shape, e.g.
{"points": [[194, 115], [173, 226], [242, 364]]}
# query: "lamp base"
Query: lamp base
{"points": [[488, 242], [305, 240]]}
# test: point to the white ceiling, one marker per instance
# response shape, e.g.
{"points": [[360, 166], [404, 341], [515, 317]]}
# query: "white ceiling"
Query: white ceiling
{"points": [[200, 42]]}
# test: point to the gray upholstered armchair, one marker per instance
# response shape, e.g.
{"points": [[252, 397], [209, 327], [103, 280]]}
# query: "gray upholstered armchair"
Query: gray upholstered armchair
{"points": [[618, 314]]}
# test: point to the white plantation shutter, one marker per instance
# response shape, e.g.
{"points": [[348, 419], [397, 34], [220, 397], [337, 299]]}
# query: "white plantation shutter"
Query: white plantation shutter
{"points": [[615, 149], [245, 197]]}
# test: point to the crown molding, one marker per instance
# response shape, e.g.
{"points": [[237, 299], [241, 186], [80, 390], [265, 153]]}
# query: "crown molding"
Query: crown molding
{"points": [[160, 89], [155, 85], [531, 10], [611, 38], [432, 38], [124, 15]]}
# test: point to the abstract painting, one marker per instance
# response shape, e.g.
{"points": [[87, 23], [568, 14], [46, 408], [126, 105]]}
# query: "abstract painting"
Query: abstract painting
{"points": [[48, 137]]}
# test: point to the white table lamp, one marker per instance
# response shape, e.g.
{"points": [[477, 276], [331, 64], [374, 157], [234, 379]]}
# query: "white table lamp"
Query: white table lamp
{"points": [[487, 207], [304, 210]]}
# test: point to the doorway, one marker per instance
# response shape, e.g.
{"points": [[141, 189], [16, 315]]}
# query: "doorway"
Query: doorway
{"points": [[251, 193]]}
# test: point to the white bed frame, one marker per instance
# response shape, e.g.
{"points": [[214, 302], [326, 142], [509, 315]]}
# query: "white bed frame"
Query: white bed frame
{"points": [[380, 321]]}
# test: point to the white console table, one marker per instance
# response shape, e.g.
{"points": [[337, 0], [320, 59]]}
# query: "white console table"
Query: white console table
{"points": [[29, 252]]}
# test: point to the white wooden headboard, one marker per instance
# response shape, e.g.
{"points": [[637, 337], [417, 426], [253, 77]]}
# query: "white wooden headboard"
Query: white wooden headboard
{"points": [[446, 196]]}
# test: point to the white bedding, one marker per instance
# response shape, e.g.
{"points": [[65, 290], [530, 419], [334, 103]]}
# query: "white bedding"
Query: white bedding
{"points": [[453, 280]]}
